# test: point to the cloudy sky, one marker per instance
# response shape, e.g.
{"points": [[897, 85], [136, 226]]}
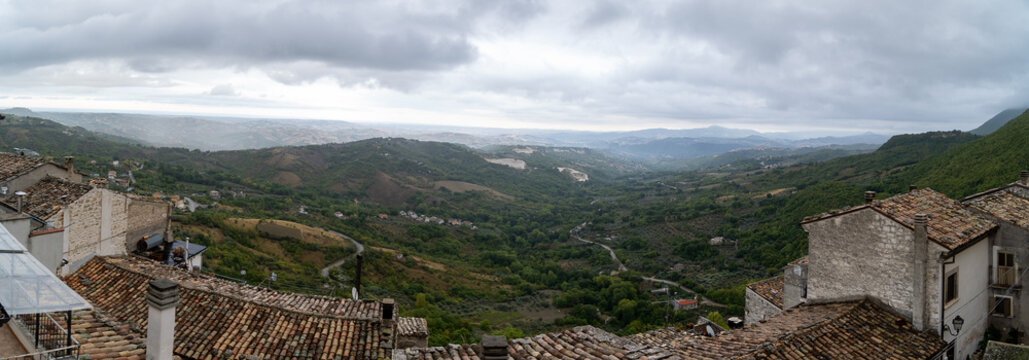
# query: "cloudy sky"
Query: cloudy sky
{"points": [[885, 66]]}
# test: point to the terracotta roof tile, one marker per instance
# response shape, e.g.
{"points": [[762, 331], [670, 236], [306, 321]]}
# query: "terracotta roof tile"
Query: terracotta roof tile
{"points": [[864, 332], [48, 196], [13, 165], [830, 331], [801, 261], [584, 342], [407, 326], [950, 224], [770, 289], [1003, 205], [213, 321]]}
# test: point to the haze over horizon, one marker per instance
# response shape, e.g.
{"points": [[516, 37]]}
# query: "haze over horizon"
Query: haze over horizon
{"points": [[853, 67]]}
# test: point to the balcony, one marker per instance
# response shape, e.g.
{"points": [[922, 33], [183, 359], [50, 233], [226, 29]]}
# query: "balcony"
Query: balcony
{"points": [[37, 336]]}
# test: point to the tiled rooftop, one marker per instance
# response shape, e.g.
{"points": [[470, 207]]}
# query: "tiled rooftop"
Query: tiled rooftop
{"points": [[770, 289], [407, 326], [950, 224], [308, 304], [740, 341], [864, 332], [583, 342], [850, 330], [215, 322], [48, 196], [12, 165], [801, 261], [827, 331], [103, 338], [1004, 205]]}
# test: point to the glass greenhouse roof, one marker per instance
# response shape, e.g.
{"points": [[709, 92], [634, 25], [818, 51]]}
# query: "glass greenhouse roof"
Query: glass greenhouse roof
{"points": [[28, 287]]}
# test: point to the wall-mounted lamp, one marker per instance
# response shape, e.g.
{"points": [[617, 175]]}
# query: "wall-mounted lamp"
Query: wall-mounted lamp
{"points": [[958, 323]]}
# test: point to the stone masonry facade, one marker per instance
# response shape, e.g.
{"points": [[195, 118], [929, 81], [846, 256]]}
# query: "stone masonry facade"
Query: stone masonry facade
{"points": [[758, 308], [107, 223], [848, 255]]}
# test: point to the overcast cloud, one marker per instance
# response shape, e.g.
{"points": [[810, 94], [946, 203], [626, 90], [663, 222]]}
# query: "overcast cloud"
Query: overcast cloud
{"points": [[886, 66]]}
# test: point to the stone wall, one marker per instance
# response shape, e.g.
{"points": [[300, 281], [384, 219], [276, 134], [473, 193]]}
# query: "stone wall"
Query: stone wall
{"points": [[757, 308], [105, 222], [412, 341], [865, 253], [146, 217]]}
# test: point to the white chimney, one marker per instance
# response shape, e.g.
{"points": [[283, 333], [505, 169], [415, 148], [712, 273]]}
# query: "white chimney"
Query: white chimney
{"points": [[161, 296]]}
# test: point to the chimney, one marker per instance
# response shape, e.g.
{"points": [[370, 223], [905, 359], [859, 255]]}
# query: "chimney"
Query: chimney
{"points": [[919, 315], [1024, 176], [162, 296], [69, 163], [912, 187], [357, 278], [869, 196], [388, 305], [494, 347], [21, 200]]}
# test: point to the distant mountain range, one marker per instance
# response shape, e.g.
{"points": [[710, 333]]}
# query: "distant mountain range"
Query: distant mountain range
{"points": [[997, 121], [649, 145]]}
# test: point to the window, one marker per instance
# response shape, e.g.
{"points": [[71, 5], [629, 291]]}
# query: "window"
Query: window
{"points": [[1002, 306], [951, 288], [1005, 268]]}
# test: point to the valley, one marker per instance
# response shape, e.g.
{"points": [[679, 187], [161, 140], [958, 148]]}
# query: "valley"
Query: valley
{"points": [[546, 251]]}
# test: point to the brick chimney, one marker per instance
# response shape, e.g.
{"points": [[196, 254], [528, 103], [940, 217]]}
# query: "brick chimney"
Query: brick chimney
{"points": [[919, 251], [161, 296], [1024, 177], [69, 163], [494, 347], [869, 196]]}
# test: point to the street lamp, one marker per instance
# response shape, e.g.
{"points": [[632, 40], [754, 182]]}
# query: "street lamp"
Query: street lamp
{"points": [[958, 323]]}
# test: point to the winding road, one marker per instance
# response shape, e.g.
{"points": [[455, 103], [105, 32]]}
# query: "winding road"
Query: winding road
{"points": [[621, 267], [337, 263]]}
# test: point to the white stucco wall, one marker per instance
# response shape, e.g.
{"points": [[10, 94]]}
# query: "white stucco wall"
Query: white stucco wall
{"points": [[973, 297]]}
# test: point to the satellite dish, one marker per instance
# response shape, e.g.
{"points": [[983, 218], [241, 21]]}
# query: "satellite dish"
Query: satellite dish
{"points": [[710, 331], [353, 293]]}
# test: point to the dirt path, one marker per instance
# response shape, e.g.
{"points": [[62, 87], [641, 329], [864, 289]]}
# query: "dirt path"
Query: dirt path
{"points": [[621, 267], [337, 263]]}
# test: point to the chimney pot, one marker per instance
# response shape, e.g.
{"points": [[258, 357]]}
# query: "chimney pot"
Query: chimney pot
{"points": [[921, 219], [1024, 176], [869, 196], [494, 347]]}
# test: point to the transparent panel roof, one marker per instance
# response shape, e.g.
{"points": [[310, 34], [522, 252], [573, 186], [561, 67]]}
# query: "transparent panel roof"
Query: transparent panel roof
{"points": [[27, 287]]}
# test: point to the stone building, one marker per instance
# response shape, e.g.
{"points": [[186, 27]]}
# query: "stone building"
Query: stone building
{"points": [[18, 172], [70, 221], [1007, 254], [926, 257]]}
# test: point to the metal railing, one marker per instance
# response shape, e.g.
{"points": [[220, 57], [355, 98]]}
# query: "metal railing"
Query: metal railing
{"points": [[50, 339]]}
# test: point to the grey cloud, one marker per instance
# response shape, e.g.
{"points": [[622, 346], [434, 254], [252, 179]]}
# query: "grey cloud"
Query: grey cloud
{"points": [[223, 90], [157, 36]]}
